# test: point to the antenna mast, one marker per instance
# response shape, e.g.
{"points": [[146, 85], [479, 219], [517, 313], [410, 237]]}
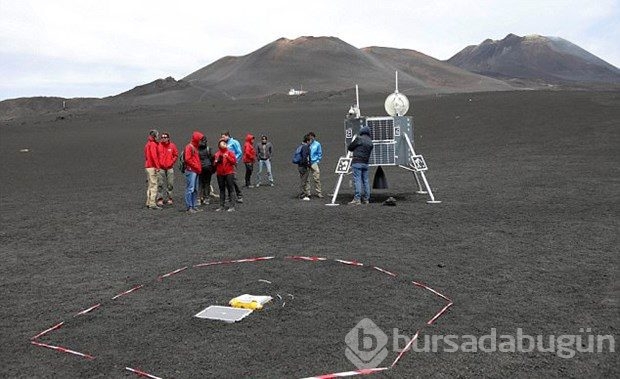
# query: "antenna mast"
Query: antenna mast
{"points": [[396, 73]]}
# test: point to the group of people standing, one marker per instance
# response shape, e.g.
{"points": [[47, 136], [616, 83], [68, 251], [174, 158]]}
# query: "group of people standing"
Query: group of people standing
{"points": [[160, 155], [311, 155], [199, 164]]}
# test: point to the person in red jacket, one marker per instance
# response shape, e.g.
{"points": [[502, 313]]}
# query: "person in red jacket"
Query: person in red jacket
{"points": [[224, 162], [168, 155], [193, 168], [151, 166], [249, 157]]}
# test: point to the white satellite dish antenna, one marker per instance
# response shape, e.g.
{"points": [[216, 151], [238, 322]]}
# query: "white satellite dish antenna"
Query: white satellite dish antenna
{"points": [[396, 104]]}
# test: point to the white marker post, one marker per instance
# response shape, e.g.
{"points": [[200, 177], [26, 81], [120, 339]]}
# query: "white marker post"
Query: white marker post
{"points": [[428, 187]]}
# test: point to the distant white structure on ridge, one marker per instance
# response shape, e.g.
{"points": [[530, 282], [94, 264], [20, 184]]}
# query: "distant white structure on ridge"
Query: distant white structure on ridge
{"points": [[297, 92]]}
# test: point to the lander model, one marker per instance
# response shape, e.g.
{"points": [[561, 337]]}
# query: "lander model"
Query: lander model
{"points": [[392, 138]]}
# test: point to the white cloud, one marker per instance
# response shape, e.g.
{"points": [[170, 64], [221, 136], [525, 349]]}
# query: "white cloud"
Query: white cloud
{"points": [[138, 38]]}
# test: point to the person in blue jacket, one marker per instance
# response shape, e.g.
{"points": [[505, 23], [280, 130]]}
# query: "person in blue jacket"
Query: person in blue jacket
{"points": [[316, 154], [235, 147]]}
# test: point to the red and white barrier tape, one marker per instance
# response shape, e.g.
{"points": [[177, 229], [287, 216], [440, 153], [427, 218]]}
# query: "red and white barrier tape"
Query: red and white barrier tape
{"points": [[351, 263], [304, 258], [244, 260], [62, 349], [431, 321], [407, 347], [365, 371], [142, 373], [128, 291], [172, 273], [85, 311], [384, 271], [48, 330], [415, 336], [432, 290]]}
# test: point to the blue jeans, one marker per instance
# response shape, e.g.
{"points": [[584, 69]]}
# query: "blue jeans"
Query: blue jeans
{"points": [[360, 177], [267, 164], [191, 189]]}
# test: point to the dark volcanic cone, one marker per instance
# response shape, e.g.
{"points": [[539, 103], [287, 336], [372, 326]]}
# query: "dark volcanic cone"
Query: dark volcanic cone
{"points": [[535, 57]]}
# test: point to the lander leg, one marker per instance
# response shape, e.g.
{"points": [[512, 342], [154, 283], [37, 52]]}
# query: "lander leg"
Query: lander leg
{"points": [[428, 187]]}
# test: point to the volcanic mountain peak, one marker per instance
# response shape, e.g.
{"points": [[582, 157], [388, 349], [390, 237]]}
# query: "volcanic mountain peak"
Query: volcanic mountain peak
{"points": [[536, 57]]}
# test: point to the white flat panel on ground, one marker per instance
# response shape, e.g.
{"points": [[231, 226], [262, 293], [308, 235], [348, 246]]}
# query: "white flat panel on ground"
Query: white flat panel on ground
{"points": [[245, 298], [226, 314]]}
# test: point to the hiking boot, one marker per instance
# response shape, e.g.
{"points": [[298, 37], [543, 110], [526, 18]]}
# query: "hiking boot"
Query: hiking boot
{"points": [[355, 202]]}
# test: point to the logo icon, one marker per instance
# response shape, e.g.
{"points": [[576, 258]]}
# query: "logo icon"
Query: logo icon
{"points": [[366, 345]]}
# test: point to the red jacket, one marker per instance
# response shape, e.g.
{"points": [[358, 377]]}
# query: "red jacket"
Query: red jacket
{"points": [[225, 162], [168, 155], [192, 159], [151, 157], [249, 152]]}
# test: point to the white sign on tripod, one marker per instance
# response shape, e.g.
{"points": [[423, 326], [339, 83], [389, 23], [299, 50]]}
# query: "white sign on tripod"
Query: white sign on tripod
{"points": [[343, 166], [418, 163]]}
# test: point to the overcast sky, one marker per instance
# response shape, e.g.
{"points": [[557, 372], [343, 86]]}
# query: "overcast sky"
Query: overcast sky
{"points": [[100, 48]]}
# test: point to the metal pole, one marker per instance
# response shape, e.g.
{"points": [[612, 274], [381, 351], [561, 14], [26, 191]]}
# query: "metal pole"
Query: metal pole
{"points": [[396, 72], [417, 180], [428, 188], [336, 191]]}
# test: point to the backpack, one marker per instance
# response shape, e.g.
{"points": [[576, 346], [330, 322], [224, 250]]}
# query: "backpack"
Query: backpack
{"points": [[297, 154], [182, 161], [206, 158], [182, 164]]}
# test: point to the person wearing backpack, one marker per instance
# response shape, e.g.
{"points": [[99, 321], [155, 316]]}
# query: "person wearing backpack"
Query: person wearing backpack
{"points": [[193, 168], [168, 155], [225, 161], [303, 166], [249, 157], [204, 179]]}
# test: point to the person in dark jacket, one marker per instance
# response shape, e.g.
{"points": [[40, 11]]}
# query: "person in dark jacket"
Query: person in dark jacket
{"points": [[304, 169], [204, 179], [264, 151], [361, 148]]}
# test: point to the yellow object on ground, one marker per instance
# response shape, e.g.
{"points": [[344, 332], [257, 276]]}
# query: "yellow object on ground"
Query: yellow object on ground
{"points": [[249, 301]]}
